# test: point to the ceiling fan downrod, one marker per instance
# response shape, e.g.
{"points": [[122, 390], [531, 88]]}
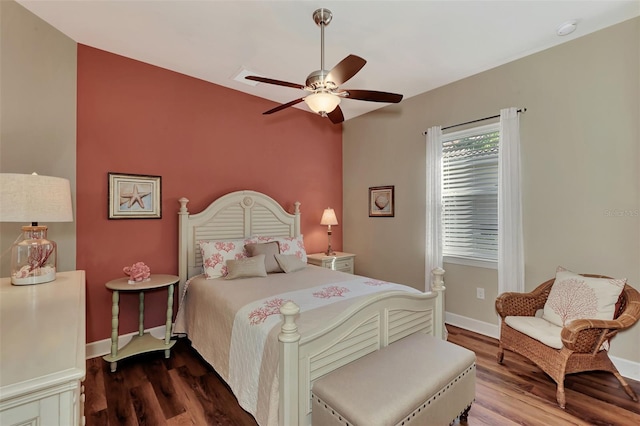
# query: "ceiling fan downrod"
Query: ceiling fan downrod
{"points": [[322, 17]]}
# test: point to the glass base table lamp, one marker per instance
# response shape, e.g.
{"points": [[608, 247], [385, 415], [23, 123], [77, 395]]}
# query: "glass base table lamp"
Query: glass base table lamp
{"points": [[329, 218], [33, 198]]}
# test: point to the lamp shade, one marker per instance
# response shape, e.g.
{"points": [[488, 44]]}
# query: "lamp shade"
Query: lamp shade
{"points": [[322, 102], [34, 198], [329, 217]]}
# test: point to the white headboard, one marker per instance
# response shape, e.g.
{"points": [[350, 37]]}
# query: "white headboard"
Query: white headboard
{"points": [[236, 215]]}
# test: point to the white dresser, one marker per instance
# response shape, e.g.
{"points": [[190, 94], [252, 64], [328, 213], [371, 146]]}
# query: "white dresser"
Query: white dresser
{"points": [[42, 352]]}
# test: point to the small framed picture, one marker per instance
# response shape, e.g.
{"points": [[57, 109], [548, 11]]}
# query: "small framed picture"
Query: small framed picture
{"points": [[381, 201], [134, 196]]}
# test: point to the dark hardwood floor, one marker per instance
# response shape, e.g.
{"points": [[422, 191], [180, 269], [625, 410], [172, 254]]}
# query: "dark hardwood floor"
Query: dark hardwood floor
{"points": [[184, 390]]}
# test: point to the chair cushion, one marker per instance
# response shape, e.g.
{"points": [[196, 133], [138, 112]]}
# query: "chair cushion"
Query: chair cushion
{"points": [[574, 296], [537, 328]]}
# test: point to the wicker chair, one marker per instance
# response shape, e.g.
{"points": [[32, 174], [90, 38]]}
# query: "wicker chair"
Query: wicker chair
{"points": [[582, 339]]}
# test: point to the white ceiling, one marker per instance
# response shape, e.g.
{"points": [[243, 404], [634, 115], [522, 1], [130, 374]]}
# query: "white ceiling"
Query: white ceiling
{"points": [[410, 46]]}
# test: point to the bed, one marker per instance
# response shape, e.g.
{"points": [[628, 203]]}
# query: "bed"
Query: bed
{"points": [[303, 338]]}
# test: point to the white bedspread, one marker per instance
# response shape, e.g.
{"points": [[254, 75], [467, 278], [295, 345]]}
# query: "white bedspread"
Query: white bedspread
{"points": [[234, 324]]}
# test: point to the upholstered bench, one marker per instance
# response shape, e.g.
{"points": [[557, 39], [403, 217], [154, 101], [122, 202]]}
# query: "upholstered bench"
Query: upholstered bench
{"points": [[419, 380]]}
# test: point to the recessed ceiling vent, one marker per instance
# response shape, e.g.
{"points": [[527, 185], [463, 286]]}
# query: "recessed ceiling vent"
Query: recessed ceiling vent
{"points": [[240, 76]]}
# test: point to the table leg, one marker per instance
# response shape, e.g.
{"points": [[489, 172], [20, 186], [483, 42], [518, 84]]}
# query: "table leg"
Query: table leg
{"points": [[141, 317], [167, 336], [114, 327]]}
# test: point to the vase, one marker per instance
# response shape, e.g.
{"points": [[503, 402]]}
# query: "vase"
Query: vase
{"points": [[34, 258]]}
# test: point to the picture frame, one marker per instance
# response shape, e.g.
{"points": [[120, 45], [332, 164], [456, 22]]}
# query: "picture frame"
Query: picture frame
{"points": [[134, 196], [381, 201]]}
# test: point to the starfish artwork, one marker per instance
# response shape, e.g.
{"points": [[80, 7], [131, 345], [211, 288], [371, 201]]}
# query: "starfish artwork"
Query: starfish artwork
{"points": [[135, 196]]}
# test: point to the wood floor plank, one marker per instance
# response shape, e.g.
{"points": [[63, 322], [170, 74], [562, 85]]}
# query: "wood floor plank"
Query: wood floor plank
{"points": [[147, 406], [184, 384], [165, 392], [119, 406], [226, 408], [95, 399]]}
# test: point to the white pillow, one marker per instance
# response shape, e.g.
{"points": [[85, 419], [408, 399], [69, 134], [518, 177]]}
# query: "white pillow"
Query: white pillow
{"points": [[288, 245], [574, 297], [216, 253], [246, 268]]}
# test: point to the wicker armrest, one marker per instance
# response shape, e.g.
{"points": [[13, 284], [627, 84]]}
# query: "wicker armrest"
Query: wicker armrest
{"points": [[523, 304], [587, 335]]}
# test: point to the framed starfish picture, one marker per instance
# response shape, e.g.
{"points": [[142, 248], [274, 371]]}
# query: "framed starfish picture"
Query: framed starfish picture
{"points": [[134, 196]]}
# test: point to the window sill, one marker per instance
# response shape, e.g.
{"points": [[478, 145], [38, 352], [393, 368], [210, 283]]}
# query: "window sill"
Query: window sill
{"points": [[488, 264]]}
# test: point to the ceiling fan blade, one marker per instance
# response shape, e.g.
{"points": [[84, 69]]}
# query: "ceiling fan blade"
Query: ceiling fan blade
{"points": [[283, 106], [346, 68], [272, 81], [374, 96], [336, 115]]}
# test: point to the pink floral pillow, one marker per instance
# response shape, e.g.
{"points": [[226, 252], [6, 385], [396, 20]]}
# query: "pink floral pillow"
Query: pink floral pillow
{"points": [[216, 253], [573, 297], [288, 245]]}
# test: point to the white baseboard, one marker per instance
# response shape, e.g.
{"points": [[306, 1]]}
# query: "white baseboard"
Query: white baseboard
{"points": [[477, 326], [629, 369], [103, 347]]}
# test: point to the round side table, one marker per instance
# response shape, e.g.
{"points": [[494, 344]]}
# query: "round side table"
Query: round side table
{"points": [[142, 342]]}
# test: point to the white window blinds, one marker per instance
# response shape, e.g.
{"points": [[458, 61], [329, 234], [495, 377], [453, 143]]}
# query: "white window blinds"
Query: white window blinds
{"points": [[470, 193]]}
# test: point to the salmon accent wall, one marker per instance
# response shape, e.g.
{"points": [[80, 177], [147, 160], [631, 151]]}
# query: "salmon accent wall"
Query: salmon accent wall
{"points": [[204, 140]]}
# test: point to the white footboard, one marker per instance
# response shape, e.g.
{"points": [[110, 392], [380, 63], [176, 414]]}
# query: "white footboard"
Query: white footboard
{"points": [[374, 323]]}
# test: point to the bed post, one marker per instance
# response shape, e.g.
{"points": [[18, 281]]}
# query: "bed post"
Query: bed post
{"points": [[289, 339], [296, 223], [183, 267], [438, 287]]}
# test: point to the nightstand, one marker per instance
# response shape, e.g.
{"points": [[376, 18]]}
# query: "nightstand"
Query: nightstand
{"points": [[338, 262], [142, 342]]}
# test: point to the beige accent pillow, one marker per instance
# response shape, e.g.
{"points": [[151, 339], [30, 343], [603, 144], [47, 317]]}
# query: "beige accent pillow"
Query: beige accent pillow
{"points": [[290, 262], [573, 296], [269, 250], [246, 268]]}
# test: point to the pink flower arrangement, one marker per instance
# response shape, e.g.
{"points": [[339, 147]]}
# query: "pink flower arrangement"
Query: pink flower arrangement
{"points": [[138, 272]]}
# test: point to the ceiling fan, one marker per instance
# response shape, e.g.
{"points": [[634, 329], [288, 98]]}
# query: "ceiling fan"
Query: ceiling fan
{"points": [[324, 86]]}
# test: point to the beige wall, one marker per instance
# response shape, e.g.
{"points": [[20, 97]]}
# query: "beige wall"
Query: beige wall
{"points": [[580, 159], [37, 114]]}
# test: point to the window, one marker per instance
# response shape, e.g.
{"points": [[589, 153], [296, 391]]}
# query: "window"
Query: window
{"points": [[470, 196]]}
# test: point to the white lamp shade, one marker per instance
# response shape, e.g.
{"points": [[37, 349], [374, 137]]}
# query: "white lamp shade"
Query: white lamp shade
{"points": [[34, 198], [329, 217], [322, 102]]}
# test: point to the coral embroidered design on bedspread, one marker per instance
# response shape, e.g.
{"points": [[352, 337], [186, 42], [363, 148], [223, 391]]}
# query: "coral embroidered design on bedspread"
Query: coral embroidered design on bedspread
{"points": [[376, 283], [271, 307], [331, 291]]}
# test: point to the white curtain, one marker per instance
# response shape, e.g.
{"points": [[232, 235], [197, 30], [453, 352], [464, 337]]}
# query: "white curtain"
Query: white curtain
{"points": [[433, 249], [510, 239]]}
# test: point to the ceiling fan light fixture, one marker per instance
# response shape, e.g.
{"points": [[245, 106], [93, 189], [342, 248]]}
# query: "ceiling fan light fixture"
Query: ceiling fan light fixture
{"points": [[322, 102]]}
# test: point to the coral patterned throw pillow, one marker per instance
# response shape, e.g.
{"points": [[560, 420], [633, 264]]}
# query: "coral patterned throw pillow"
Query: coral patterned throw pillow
{"points": [[216, 253], [573, 297]]}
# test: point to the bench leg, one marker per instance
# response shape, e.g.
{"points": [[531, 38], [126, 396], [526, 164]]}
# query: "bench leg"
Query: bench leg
{"points": [[465, 414]]}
